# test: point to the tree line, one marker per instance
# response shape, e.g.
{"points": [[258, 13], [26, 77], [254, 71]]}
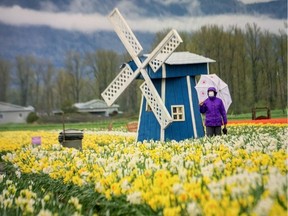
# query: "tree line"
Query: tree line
{"points": [[252, 62]]}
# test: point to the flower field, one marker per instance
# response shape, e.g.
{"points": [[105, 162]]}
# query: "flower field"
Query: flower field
{"points": [[242, 173]]}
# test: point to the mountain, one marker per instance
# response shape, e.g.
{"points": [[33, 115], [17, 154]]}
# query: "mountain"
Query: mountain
{"points": [[52, 44], [275, 9]]}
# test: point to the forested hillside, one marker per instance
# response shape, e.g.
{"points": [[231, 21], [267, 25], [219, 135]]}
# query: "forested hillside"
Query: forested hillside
{"points": [[252, 62]]}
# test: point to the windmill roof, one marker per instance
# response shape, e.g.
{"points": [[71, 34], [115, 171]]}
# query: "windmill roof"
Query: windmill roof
{"points": [[179, 64], [178, 58]]}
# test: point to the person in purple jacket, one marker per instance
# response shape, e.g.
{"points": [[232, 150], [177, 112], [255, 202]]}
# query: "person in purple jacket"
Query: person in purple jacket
{"points": [[215, 114]]}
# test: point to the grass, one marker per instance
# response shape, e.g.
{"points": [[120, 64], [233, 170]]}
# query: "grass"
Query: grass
{"points": [[117, 122], [100, 125], [274, 114]]}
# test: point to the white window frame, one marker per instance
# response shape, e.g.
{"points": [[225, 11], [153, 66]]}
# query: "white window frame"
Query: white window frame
{"points": [[178, 112]]}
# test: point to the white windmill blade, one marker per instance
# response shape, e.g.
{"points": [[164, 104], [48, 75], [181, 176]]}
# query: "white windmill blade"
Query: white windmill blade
{"points": [[154, 100], [156, 104], [119, 84], [157, 58], [164, 50], [125, 33]]}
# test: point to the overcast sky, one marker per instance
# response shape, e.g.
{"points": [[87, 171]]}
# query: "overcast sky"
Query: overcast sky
{"points": [[76, 19]]}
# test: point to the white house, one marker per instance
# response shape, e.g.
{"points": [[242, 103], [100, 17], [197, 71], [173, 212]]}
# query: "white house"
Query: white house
{"points": [[96, 106], [11, 113]]}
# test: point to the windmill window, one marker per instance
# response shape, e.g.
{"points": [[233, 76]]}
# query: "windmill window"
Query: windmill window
{"points": [[178, 113]]}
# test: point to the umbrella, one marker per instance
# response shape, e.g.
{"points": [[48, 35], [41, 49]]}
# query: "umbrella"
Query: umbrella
{"points": [[212, 80]]}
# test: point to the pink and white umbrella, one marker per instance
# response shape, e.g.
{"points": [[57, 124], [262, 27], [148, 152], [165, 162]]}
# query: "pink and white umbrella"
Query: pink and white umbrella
{"points": [[212, 80]]}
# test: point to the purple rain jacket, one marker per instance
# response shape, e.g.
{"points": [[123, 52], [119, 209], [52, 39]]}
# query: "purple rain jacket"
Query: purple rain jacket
{"points": [[215, 112]]}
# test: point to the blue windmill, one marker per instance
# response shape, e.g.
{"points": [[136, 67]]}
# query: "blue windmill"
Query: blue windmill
{"points": [[169, 107]]}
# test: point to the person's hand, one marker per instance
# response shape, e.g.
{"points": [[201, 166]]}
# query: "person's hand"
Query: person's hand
{"points": [[224, 130], [201, 103]]}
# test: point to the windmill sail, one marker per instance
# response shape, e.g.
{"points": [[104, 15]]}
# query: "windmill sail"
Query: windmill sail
{"points": [[164, 50], [125, 33], [156, 104], [118, 85], [155, 60]]}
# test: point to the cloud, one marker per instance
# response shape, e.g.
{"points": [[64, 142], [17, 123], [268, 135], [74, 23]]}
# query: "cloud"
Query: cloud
{"points": [[96, 22], [68, 21], [226, 21]]}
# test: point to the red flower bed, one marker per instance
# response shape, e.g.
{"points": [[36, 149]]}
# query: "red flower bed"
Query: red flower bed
{"points": [[260, 121]]}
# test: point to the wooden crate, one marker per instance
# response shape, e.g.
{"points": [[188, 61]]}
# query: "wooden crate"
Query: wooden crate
{"points": [[132, 126]]}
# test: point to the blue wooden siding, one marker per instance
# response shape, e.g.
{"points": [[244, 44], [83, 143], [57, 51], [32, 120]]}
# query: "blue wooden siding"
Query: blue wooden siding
{"points": [[176, 94], [149, 128], [197, 114], [186, 70]]}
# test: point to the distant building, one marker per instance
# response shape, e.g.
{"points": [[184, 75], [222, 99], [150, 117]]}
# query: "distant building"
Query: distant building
{"points": [[11, 113], [97, 106]]}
